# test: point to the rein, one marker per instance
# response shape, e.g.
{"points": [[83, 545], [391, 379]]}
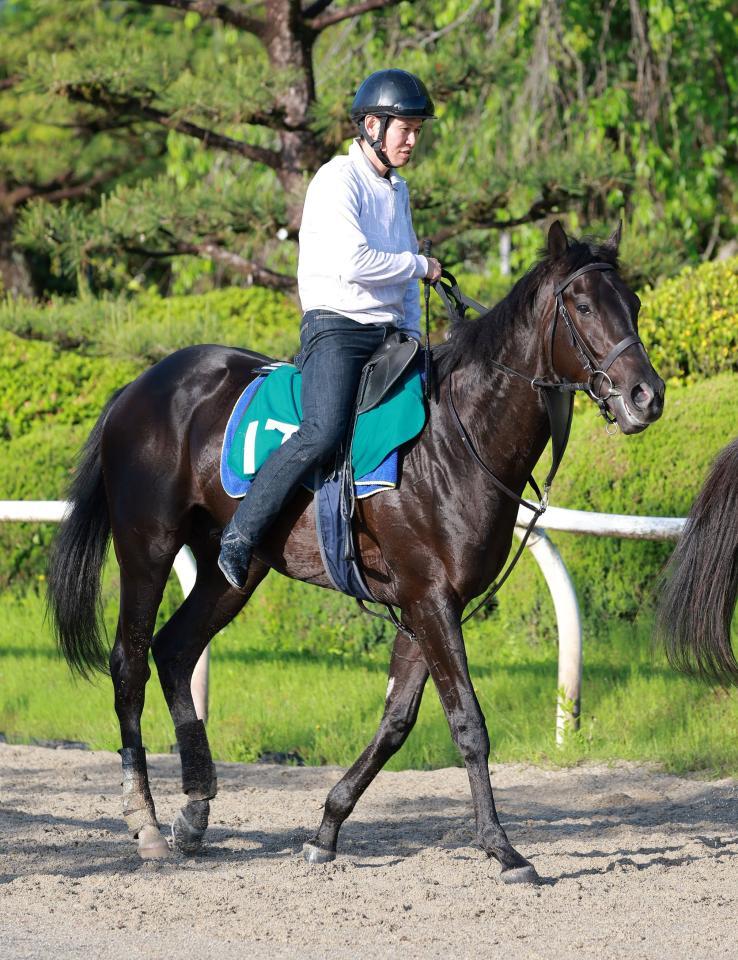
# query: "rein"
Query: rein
{"points": [[558, 398]]}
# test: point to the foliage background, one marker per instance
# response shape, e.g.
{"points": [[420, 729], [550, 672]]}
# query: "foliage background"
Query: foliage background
{"points": [[143, 141]]}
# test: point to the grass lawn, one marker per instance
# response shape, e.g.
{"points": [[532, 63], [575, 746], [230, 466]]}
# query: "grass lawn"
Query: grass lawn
{"points": [[273, 695]]}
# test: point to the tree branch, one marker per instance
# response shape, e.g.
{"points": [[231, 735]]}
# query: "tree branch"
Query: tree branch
{"points": [[99, 96], [482, 217], [316, 24], [315, 8], [55, 191], [256, 272], [212, 10], [7, 82]]}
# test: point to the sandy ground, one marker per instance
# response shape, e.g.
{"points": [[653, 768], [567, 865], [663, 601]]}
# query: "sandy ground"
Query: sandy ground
{"points": [[634, 863]]}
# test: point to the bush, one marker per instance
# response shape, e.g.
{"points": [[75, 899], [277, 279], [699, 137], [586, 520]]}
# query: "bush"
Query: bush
{"points": [[35, 466], [148, 327], [40, 385], [656, 473], [690, 323]]}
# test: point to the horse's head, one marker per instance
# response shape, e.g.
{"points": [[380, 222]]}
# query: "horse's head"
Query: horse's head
{"points": [[592, 335]]}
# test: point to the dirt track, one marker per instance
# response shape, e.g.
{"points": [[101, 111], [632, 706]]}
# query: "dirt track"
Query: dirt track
{"points": [[635, 864]]}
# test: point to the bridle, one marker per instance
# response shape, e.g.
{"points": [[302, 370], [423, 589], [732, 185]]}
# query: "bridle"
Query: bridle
{"points": [[558, 396], [595, 368]]}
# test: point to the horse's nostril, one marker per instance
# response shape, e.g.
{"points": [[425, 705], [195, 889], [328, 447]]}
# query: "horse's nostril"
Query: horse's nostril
{"points": [[641, 395]]}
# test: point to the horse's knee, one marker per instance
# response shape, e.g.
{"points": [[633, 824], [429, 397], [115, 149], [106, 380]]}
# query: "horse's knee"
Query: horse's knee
{"points": [[472, 739], [395, 729], [129, 675]]}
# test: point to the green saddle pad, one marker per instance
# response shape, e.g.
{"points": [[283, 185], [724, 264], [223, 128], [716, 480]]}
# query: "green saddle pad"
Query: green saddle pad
{"points": [[275, 412]]}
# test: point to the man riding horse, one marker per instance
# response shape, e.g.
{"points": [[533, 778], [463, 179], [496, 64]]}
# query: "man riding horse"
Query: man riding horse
{"points": [[357, 278]]}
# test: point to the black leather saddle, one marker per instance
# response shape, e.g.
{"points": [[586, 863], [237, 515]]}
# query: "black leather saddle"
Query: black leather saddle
{"points": [[384, 368]]}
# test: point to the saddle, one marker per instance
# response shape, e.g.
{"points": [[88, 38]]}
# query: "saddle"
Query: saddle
{"points": [[383, 369]]}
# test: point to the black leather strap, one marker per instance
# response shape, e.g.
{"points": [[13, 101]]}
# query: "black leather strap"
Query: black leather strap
{"points": [[599, 265], [455, 302], [617, 350]]}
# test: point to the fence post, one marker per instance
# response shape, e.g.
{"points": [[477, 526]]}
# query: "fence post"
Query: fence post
{"points": [[186, 570], [568, 621]]}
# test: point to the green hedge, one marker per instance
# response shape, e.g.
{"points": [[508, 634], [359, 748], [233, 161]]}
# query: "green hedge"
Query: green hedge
{"points": [[690, 323], [655, 473], [40, 385], [147, 327], [35, 466]]}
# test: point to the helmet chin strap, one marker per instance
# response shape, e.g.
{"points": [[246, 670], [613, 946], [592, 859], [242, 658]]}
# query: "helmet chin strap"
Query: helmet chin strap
{"points": [[376, 145]]}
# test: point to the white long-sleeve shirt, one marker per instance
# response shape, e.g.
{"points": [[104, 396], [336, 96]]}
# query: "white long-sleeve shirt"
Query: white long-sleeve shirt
{"points": [[358, 251]]}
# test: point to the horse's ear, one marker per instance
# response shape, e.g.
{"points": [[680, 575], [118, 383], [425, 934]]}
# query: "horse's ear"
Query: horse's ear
{"points": [[557, 241], [613, 241]]}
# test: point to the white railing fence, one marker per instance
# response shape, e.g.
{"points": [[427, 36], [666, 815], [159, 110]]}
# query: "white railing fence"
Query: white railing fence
{"points": [[566, 606]]}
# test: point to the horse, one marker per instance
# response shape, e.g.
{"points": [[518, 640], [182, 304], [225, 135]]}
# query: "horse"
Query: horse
{"points": [[149, 477], [699, 587]]}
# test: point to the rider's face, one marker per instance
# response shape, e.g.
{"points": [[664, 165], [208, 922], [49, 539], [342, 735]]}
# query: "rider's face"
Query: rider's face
{"points": [[400, 137]]}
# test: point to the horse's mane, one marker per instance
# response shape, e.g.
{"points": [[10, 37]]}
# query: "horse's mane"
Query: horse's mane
{"points": [[481, 340]]}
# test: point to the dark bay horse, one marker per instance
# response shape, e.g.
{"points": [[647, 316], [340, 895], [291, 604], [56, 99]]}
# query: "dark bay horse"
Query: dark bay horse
{"points": [[149, 476], [700, 586]]}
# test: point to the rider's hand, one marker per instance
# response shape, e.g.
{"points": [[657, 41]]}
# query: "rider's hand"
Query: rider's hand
{"points": [[434, 270]]}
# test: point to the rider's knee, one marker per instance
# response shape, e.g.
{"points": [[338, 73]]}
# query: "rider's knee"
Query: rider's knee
{"points": [[319, 441]]}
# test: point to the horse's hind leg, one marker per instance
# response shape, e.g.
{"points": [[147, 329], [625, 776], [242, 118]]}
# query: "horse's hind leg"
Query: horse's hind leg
{"points": [[177, 647], [141, 586], [407, 677]]}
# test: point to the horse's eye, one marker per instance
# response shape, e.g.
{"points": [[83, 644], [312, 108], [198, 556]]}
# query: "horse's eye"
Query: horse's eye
{"points": [[583, 308]]}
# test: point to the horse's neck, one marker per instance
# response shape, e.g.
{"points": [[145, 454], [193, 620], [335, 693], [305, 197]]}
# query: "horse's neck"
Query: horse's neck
{"points": [[503, 415]]}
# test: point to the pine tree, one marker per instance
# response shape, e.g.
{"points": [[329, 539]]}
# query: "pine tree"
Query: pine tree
{"points": [[137, 133]]}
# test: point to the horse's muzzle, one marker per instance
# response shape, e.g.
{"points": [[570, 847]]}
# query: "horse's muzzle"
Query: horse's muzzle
{"points": [[643, 404]]}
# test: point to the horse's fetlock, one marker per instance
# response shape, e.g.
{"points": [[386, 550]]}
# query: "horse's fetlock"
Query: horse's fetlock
{"points": [[339, 801], [197, 813]]}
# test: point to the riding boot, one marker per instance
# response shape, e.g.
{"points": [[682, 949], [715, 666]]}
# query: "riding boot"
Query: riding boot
{"points": [[235, 556]]}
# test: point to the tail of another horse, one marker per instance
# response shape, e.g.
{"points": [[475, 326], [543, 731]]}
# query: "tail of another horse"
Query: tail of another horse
{"points": [[77, 557], [701, 579]]}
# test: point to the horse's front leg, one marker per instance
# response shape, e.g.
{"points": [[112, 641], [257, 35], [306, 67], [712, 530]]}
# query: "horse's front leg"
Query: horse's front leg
{"points": [[407, 676], [438, 628]]}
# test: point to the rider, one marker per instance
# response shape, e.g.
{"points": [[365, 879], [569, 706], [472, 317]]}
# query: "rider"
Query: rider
{"points": [[357, 278]]}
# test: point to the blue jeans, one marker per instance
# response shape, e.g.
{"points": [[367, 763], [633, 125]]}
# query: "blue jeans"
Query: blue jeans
{"points": [[333, 352]]}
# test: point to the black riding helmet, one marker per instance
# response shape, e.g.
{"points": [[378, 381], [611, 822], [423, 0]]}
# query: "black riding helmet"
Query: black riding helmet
{"points": [[390, 93]]}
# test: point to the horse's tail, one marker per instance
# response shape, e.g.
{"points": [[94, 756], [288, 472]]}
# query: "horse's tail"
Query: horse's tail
{"points": [[77, 556], [700, 585]]}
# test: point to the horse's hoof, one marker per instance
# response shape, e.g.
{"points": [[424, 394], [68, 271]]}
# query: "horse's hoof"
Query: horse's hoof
{"points": [[151, 844], [315, 854], [526, 874], [185, 838]]}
